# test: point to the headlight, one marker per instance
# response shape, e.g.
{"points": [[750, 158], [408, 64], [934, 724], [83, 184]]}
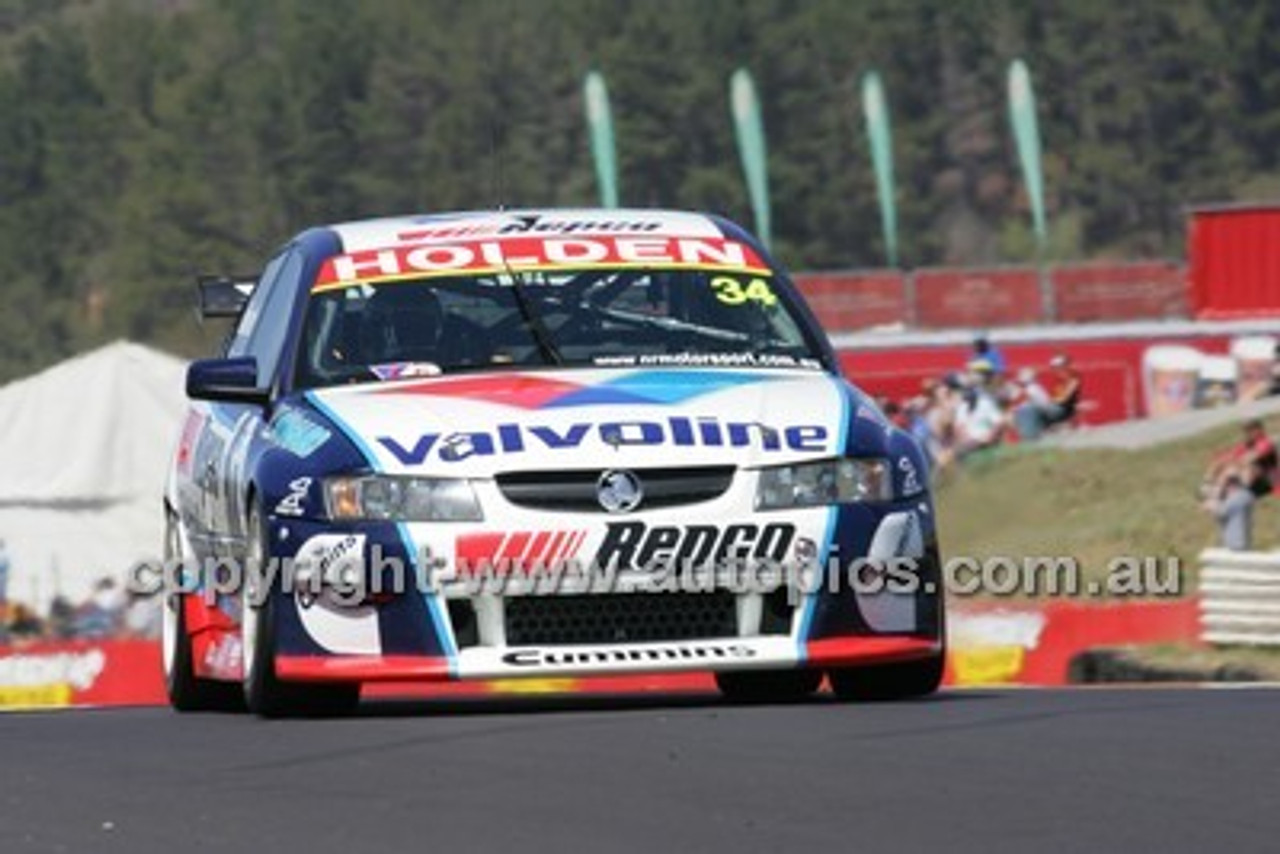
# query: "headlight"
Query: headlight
{"points": [[842, 481], [401, 499]]}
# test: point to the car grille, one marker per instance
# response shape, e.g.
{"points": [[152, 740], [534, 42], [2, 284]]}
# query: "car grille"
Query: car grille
{"points": [[619, 618], [577, 490]]}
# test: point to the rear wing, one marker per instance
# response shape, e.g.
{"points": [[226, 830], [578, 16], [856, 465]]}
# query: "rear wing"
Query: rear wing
{"points": [[223, 296]]}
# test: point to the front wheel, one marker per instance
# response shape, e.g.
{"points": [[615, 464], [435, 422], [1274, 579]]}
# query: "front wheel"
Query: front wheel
{"points": [[264, 693], [187, 692], [883, 682], [768, 686]]}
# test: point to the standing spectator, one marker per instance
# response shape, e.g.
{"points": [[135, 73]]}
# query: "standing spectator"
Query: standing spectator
{"points": [[985, 351], [1233, 510]]}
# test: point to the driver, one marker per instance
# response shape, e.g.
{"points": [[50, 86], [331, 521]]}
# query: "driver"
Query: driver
{"points": [[402, 323]]}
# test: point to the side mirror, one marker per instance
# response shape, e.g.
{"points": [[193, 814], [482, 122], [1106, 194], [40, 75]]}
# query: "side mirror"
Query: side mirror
{"points": [[230, 380], [223, 296]]}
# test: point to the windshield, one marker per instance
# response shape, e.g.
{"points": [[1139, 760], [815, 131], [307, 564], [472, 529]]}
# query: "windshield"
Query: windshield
{"points": [[590, 317]]}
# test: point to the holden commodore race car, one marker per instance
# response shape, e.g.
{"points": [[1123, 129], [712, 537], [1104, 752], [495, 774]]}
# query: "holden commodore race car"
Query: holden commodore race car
{"points": [[538, 444]]}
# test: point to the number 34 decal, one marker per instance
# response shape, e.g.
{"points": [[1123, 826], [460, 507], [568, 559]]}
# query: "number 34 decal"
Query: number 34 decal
{"points": [[731, 291]]}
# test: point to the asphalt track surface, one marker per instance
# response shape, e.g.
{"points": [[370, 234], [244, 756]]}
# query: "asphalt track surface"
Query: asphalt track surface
{"points": [[1084, 770]]}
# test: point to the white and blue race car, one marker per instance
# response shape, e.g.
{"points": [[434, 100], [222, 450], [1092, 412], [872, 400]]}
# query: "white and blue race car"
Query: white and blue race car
{"points": [[538, 443]]}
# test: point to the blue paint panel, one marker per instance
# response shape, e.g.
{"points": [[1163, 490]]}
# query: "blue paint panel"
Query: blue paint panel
{"points": [[601, 395], [653, 387], [298, 434], [681, 385], [811, 601], [434, 607], [833, 520]]}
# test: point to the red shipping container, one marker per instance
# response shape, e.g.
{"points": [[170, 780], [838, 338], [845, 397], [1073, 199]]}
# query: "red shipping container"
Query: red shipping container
{"points": [[1235, 261]]}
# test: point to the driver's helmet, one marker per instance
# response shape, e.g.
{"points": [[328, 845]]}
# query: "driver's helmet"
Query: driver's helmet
{"points": [[401, 323]]}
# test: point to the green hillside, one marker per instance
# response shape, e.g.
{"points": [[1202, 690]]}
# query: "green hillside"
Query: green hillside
{"points": [[1091, 505], [144, 140]]}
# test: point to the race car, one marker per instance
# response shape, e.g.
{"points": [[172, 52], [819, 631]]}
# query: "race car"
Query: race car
{"points": [[543, 443]]}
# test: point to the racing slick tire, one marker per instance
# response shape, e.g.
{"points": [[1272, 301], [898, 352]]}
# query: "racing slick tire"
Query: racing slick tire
{"points": [[264, 693], [768, 686], [885, 682], [188, 692]]}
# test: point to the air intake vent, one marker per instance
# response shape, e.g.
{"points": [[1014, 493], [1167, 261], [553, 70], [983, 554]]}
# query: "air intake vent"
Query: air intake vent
{"points": [[619, 618], [576, 490]]}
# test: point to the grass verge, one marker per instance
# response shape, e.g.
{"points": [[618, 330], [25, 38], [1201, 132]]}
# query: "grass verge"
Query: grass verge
{"points": [[1090, 505]]}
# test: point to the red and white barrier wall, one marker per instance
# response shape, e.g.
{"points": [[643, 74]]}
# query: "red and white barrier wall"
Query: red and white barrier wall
{"points": [[1034, 644], [82, 673], [990, 645], [1105, 316], [975, 297], [1110, 358]]}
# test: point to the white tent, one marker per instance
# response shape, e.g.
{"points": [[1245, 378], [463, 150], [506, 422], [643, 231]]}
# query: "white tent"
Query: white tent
{"points": [[84, 450]]}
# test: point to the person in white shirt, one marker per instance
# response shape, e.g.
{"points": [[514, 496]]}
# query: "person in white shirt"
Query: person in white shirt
{"points": [[1032, 401], [979, 420]]}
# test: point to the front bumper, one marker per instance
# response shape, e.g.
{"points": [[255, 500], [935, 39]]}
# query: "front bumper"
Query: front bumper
{"points": [[446, 630], [724, 654]]}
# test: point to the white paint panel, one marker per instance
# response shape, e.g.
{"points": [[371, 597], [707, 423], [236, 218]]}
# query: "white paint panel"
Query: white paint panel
{"points": [[399, 231], [899, 535], [677, 656], [350, 631]]}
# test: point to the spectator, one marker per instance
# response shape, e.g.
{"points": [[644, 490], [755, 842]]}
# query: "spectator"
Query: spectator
{"points": [[1040, 412], [897, 414], [943, 399], [1065, 387], [24, 624], [142, 616], [917, 411], [61, 618], [985, 351], [1254, 461], [1233, 510], [979, 420], [99, 617], [1030, 403]]}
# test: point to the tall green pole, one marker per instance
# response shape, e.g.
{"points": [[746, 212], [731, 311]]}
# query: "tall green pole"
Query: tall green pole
{"points": [[880, 139], [749, 129], [600, 127]]}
